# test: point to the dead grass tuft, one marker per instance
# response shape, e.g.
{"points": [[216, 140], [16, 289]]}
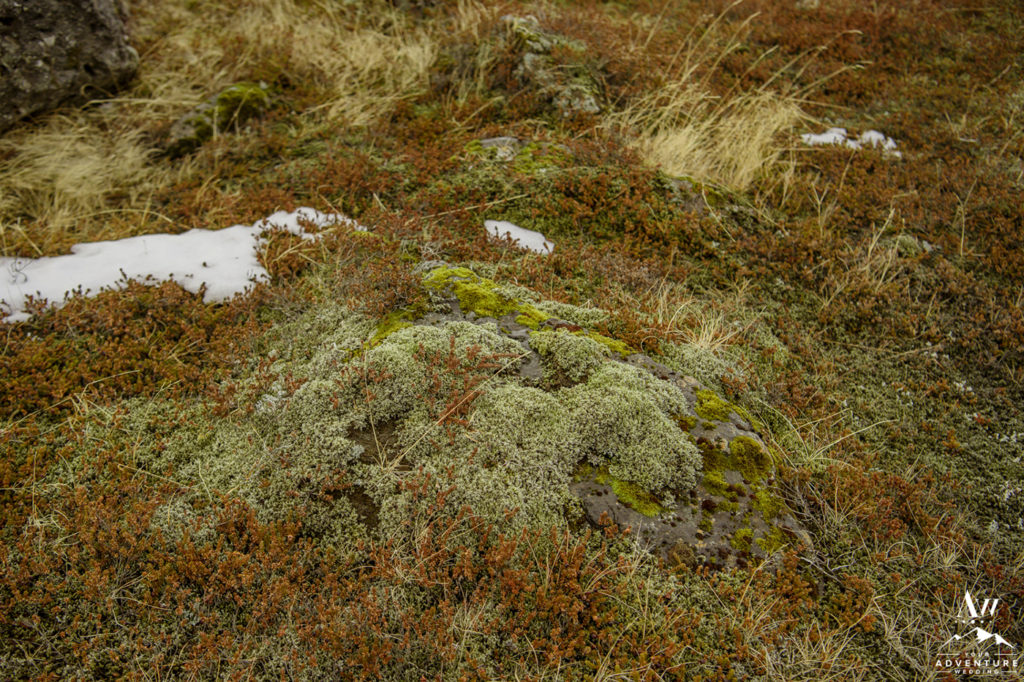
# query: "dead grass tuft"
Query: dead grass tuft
{"points": [[686, 129]]}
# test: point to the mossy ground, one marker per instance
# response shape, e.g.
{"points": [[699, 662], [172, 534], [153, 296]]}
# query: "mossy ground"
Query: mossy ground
{"points": [[160, 520]]}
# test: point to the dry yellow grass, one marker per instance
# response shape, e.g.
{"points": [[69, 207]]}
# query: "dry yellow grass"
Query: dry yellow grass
{"points": [[686, 130], [91, 173]]}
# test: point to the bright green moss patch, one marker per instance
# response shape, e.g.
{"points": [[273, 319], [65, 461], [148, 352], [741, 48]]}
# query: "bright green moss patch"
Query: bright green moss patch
{"points": [[630, 494], [482, 296], [710, 406], [531, 317], [613, 345], [390, 324]]}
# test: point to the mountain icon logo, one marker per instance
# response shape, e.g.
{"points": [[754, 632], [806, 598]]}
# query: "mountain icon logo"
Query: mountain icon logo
{"points": [[981, 636]]}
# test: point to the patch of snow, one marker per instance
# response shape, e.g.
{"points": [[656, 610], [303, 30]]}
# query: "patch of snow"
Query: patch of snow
{"points": [[871, 138], [224, 260], [526, 239]]}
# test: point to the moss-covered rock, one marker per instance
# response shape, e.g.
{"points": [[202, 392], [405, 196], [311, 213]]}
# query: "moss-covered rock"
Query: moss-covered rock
{"points": [[227, 110]]}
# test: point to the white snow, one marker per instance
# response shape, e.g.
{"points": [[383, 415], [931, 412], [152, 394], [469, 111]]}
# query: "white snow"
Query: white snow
{"points": [[526, 239], [225, 260], [871, 138]]}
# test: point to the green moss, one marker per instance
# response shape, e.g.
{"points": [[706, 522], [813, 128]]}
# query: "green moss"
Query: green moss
{"points": [[773, 541], [531, 317], [768, 504], [481, 296], [749, 458], [686, 422], [232, 106], [390, 324], [630, 494], [711, 407], [742, 539], [707, 522], [533, 158], [729, 505], [240, 102], [613, 345], [715, 482]]}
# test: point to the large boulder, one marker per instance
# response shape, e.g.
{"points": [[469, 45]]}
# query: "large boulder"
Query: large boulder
{"points": [[58, 51]]}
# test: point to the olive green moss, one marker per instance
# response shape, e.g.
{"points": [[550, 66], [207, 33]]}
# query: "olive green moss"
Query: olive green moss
{"points": [[531, 317], [231, 107], [479, 295], [773, 541], [630, 494], [686, 422], [390, 324], [741, 540], [767, 503], [712, 407], [614, 345]]}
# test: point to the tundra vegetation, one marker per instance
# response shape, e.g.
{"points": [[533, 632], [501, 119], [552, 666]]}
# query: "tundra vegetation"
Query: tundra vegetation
{"points": [[351, 471]]}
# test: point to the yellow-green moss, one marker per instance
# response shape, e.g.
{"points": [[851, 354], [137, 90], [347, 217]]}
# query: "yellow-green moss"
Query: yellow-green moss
{"points": [[768, 504], [773, 541], [686, 422], [749, 458], [531, 317], [711, 407], [390, 324], [742, 539], [613, 345], [707, 522], [482, 296], [630, 494], [714, 481]]}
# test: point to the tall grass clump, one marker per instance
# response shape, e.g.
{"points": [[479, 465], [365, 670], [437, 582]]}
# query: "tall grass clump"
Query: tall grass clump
{"points": [[685, 128]]}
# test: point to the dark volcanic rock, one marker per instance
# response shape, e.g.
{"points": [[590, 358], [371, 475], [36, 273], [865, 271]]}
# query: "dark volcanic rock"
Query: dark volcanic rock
{"points": [[57, 51]]}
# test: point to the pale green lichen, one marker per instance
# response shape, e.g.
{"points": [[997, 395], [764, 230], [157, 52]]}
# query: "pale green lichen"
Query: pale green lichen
{"points": [[406, 365], [567, 356], [624, 419], [584, 317]]}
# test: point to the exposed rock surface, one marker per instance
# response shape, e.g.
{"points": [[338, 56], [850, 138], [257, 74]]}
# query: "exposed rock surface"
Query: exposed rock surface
{"points": [[57, 51], [570, 84]]}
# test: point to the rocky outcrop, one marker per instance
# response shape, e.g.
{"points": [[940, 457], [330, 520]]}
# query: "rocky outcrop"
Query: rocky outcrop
{"points": [[58, 51], [570, 85]]}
